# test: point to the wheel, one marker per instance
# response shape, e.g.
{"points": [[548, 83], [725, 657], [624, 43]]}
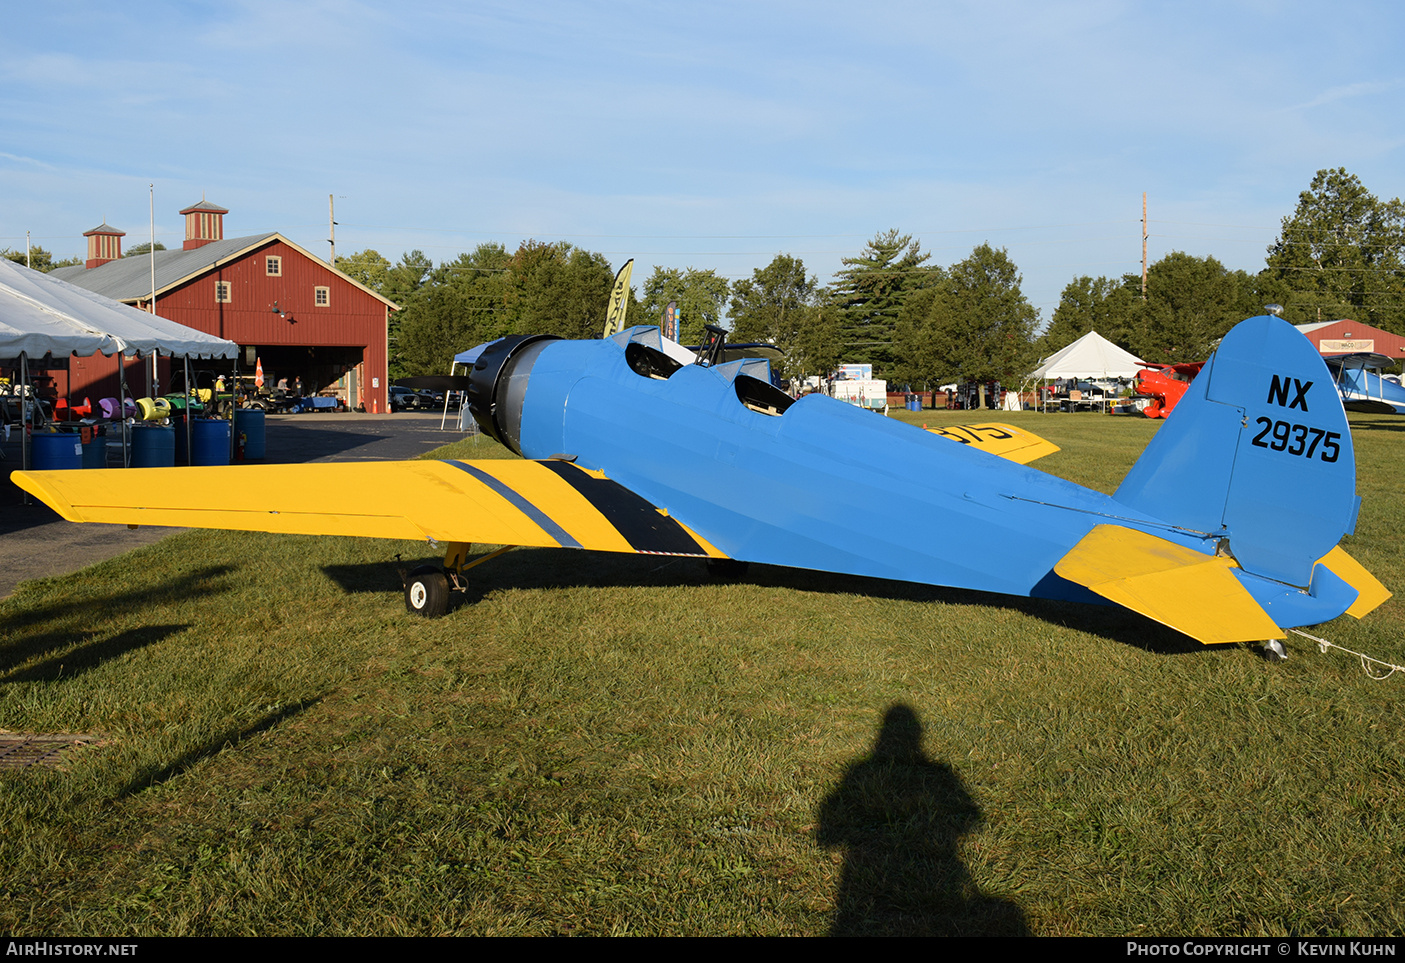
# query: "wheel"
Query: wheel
{"points": [[427, 592], [726, 569]]}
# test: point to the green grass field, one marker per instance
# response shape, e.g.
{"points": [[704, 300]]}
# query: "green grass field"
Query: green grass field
{"points": [[615, 745]]}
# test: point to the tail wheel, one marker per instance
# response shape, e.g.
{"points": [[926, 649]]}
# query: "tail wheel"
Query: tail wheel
{"points": [[427, 592]]}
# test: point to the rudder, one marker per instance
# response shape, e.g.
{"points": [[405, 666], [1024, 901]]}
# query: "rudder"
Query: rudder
{"points": [[1257, 452]]}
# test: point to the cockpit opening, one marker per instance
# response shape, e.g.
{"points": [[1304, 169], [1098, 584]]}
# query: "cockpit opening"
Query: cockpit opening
{"points": [[761, 396], [649, 362]]}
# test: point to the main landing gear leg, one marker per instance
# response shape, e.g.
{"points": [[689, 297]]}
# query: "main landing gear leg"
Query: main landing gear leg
{"points": [[427, 588]]}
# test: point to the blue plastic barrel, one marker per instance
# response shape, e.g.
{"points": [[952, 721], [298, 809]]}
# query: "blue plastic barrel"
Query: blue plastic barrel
{"points": [[95, 453], [52, 452], [252, 425], [209, 441], [153, 446]]}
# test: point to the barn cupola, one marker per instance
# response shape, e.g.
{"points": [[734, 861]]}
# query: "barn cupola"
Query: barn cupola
{"points": [[204, 222], [104, 244]]}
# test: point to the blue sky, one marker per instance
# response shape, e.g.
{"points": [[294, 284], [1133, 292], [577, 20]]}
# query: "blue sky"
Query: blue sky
{"points": [[706, 135]]}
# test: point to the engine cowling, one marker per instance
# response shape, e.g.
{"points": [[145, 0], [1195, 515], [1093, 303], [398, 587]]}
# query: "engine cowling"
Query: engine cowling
{"points": [[498, 385]]}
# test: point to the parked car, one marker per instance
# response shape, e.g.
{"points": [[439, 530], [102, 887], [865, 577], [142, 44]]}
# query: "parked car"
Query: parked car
{"points": [[403, 399]]}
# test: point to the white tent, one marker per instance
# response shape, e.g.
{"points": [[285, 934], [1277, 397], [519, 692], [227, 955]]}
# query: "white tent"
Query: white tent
{"points": [[1091, 356], [42, 315]]}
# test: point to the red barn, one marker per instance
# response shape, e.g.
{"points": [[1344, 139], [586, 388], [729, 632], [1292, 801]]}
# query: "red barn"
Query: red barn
{"points": [[1347, 337], [291, 311]]}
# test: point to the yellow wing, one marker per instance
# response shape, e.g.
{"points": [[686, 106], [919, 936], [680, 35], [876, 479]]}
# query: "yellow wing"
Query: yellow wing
{"points": [[508, 502], [1007, 441]]}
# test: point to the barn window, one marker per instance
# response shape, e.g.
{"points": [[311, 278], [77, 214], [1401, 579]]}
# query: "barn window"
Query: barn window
{"points": [[223, 291], [273, 266], [322, 297]]}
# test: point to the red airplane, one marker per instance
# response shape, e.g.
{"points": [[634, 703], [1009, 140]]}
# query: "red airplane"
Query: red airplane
{"points": [[1165, 384]]}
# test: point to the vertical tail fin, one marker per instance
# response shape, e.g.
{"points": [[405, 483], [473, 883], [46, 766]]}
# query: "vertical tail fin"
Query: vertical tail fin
{"points": [[1258, 452]]}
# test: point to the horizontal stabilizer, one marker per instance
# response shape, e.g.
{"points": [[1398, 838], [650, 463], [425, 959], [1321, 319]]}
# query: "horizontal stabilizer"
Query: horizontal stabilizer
{"points": [[1007, 441], [1193, 593], [1370, 592]]}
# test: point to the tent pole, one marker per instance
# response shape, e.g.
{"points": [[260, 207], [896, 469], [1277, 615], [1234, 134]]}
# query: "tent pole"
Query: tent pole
{"points": [[122, 408], [189, 417], [233, 407], [24, 420], [444, 418]]}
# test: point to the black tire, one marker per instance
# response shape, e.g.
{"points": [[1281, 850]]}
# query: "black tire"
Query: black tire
{"points": [[427, 592]]}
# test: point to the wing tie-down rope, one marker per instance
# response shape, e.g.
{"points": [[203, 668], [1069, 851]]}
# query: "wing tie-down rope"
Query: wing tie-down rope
{"points": [[1366, 661]]}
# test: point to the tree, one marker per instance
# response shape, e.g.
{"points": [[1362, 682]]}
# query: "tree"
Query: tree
{"points": [[396, 282], [1342, 254], [1091, 304], [540, 289], [1191, 302], [870, 291], [701, 297], [760, 304], [559, 289], [812, 342], [406, 277], [974, 324], [461, 303], [366, 267], [143, 248], [781, 304], [39, 259]]}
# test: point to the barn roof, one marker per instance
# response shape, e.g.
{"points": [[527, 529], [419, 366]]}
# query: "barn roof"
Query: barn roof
{"points": [[1345, 335], [129, 278]]}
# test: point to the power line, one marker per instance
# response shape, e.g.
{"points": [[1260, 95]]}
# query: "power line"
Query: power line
{"points": [[729, 237]]}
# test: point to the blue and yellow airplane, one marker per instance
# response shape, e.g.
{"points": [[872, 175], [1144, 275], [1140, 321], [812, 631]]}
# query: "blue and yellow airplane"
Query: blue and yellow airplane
{"points": [[1226, 529]]}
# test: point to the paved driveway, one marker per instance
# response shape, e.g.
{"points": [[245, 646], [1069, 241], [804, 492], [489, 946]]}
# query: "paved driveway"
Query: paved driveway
{"points": [[35, 542]]}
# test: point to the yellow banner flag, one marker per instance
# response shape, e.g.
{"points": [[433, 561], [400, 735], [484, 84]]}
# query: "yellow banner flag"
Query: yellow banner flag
{"points": [[619, 301]]}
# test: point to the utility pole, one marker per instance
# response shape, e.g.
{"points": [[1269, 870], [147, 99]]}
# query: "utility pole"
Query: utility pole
{"points": [[332, 229], [1144, 237], [151, 251]]}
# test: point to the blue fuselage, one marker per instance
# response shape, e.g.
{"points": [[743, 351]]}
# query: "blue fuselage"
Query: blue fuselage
{"points": [[823, 486]]}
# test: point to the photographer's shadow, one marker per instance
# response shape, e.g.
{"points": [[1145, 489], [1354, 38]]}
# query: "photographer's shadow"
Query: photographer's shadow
{"points": [[900, 816]]}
